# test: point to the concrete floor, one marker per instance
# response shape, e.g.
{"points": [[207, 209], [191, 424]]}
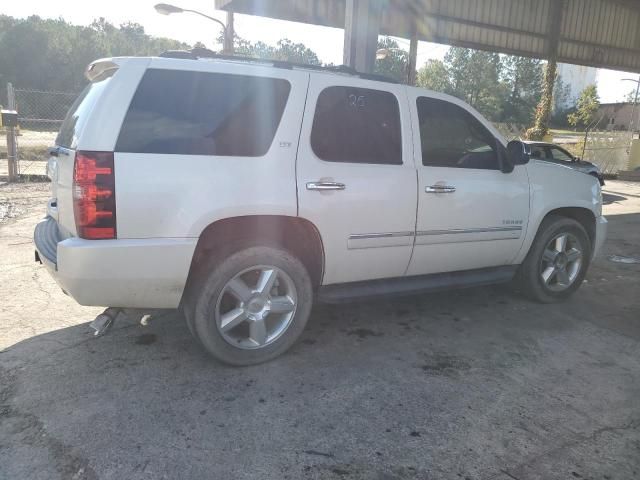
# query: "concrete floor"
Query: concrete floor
{"points": [[474, 384]]}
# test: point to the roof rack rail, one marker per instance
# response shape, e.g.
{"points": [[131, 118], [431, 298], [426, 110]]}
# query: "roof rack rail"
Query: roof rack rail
{"points": [[197, 53]]}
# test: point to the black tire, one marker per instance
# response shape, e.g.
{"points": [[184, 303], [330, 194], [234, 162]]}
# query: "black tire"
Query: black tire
{"points": [[202, 301], [529, 274]]}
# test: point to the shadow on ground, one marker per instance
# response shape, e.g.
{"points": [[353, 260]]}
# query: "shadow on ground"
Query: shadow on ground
{"points": [[469, 384], [609, 198], [473, 384]]}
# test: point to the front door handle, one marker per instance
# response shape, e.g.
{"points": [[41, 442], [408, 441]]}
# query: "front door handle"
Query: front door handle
{"points": [[325, 186], [439, 189]]}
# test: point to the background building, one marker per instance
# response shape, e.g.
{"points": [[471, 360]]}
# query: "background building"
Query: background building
{"points": [[617, 116]]}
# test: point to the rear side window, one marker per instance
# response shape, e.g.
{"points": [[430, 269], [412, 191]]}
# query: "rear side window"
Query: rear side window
{"points": [[197, 113], [79, 112], [452, 137], [357, 125]]}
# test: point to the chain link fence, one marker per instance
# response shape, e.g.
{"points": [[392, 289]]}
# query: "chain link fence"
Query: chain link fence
{"points": [[41, 114]]}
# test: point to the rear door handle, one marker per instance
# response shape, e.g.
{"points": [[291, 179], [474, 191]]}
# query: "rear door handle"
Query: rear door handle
{"points": [[325, 186], [439, 189]]}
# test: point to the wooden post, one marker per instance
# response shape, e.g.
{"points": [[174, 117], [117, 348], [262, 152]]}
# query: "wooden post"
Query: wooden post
{"points": [[12, 146]]}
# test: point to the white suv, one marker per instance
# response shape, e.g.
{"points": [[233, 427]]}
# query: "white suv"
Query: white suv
{"points": [[239, 190]]}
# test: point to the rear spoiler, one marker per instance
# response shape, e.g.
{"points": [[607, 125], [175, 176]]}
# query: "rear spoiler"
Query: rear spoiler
{"points": [[100, 69]]}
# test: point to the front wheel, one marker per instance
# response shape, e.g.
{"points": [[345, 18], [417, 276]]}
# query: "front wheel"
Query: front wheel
{"points": [[252, 306], [557, 262]]}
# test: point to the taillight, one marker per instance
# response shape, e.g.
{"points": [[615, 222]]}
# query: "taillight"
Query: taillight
{"points": [[94, 195]]}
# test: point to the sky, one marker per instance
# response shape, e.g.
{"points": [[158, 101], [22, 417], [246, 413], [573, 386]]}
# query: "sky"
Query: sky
{"points": [[326, 42]]}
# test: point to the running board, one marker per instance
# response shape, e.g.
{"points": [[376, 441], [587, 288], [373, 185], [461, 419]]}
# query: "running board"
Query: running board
{"points": [[344, 292]]}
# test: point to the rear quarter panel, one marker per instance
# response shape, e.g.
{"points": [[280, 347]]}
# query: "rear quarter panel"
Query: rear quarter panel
{"points": [[555, 186], [178, 196]]}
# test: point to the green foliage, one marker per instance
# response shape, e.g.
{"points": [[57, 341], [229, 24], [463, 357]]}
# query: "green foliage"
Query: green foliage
{"points": [[47, 54], [395, 63], [503, 88], [586, 108], [434, 76], [631, 96], [285, 50], [523, 77]]}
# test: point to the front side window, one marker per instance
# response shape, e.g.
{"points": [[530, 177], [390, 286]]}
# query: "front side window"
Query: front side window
{"points": [[560, 155], [538, 152], [200, 113], [357, 125], [452, 137]]}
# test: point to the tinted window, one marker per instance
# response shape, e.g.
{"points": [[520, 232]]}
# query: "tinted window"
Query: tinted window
{"points": [[560, 155], [77, 115], [538, 152], [196, 113], [357, 125], [452, 137]]}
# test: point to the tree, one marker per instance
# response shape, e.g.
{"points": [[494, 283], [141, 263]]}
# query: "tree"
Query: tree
{"points": [[434, 76], [51, 54], [631, 96], [474, 76], [586, 107], [523, 78], [285, 50], [394, 64]]}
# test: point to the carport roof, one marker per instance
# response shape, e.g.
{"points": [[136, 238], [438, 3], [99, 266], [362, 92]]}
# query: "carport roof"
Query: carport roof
{"points": [[598, 33]]}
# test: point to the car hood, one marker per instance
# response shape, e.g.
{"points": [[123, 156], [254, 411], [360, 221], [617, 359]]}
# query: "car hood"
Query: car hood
{"points": [[584, 166]]}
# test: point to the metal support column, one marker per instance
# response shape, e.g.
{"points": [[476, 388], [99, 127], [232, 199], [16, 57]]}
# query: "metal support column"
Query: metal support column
{"points": [[229, 33], [361, 28], [540, 128], [413, 54]]}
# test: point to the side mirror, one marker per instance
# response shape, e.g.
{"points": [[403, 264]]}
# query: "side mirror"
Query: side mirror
{"points": [[518, 153]]}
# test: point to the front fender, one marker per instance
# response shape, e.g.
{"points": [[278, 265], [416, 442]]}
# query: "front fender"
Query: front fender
{"points": [[553, 187]]}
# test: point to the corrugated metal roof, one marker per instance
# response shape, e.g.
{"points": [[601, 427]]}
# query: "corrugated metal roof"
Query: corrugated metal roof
{"points": [[599, 33]]}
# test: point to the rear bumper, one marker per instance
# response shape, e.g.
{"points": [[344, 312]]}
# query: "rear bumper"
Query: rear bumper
{"points": [[601, 235], [140, 273]]}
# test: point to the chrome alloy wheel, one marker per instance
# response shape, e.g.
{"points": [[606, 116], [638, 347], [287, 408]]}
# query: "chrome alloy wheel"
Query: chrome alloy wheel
{"points": [[561, 262], [256, 307]]}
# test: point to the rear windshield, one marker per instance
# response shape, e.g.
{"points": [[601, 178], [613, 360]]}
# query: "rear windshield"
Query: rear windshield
{"points": [[78, 113], [201, 113]]}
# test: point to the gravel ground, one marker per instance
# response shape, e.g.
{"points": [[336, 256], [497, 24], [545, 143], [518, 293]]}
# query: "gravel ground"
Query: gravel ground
{"points": [[473, 384]]}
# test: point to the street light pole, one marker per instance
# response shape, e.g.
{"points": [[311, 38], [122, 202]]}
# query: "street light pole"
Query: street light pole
{"points": [[227, 30]]}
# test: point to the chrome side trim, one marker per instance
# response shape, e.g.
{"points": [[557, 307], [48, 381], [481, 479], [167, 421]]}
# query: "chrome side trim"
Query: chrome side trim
{"points": [[360, 236], [378, 240], [464, 235], [469, 230]]}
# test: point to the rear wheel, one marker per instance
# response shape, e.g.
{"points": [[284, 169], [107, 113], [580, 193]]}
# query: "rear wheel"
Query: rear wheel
{"points": [[557, 262], [252, 306]]}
